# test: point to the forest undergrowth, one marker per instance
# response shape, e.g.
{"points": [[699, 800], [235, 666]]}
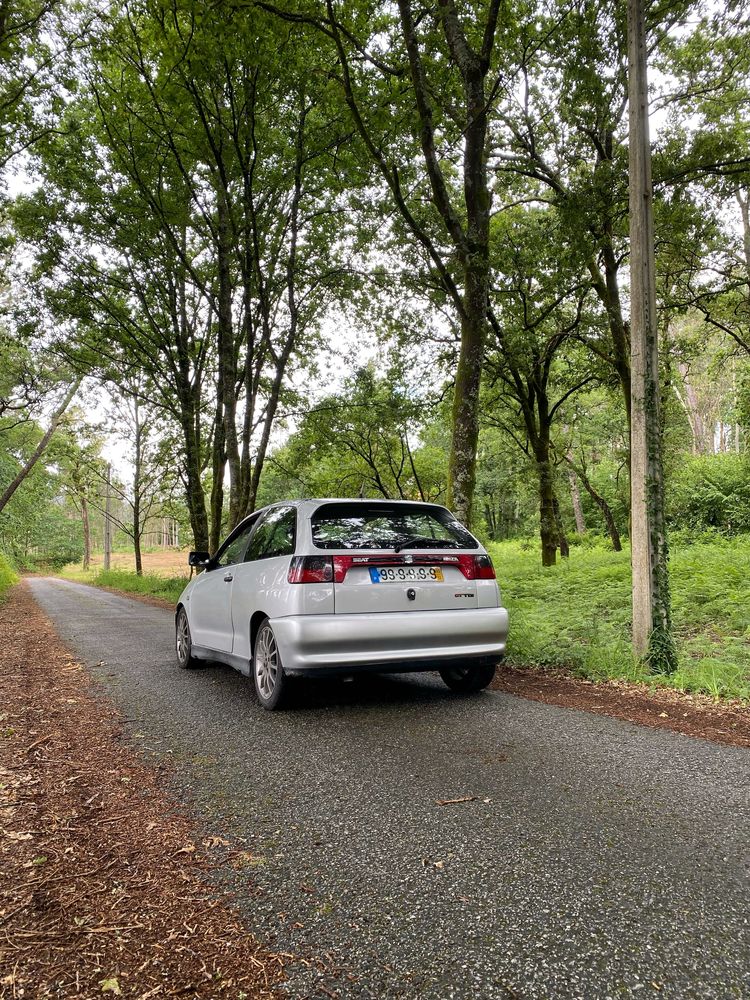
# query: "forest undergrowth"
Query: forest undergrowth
{"points": [[168, 588], [576, 615], [8, 575]]}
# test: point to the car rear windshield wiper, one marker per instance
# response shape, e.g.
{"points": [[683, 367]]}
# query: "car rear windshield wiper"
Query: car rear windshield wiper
{"points": [[427, 543]]}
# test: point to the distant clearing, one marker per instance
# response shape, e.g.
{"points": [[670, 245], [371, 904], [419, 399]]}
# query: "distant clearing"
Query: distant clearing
{"points": [[160, 562]]}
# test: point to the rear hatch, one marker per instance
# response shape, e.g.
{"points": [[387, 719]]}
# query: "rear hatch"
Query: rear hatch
{"points": [[397, 557], [419, 582]]}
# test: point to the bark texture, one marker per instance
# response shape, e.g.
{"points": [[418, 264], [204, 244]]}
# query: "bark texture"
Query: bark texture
{"points": [[652, 626]]}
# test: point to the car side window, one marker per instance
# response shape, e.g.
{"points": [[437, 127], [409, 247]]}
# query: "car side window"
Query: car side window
{"points": [[232, 553], [274, 536]]}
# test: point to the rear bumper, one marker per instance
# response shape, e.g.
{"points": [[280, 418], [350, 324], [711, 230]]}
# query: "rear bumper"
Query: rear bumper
{"points": [[312, 644]]}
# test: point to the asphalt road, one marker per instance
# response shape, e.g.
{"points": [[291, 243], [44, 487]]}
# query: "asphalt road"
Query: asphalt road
{"points": [[599, 859]]}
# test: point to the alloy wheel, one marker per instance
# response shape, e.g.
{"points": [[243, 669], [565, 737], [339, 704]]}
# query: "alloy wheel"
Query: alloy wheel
{"points": [[183, 638], [266, 663]]}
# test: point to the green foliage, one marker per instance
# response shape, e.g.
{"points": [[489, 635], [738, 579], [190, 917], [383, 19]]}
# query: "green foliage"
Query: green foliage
{"points": [[506, 496], [363, 441], [577, 614], [26, 52], [8, 575], [56, 542], [710, 492], [36, 527]]}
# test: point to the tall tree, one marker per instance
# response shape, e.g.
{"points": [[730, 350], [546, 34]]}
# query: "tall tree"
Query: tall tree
{"points": [[175, 211], [363, 441], [652, 622], [537, 317], [432, 76]]}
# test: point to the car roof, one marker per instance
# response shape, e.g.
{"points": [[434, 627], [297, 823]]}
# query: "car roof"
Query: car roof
{"points": [[426, 503], [317, 501]]}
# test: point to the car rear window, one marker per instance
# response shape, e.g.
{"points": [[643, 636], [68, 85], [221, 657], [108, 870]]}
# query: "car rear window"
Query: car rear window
{"points": [[359, 525]]}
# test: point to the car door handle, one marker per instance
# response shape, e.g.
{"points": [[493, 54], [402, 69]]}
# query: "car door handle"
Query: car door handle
{"points": [[228, 578]]}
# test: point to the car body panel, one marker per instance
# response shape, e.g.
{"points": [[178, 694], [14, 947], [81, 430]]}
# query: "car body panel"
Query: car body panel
{"points": [[312, 644], [210, 610], [262, 586]]}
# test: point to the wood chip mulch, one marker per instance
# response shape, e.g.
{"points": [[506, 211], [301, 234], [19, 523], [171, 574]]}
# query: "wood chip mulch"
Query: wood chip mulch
{"points": [[103, 887], [661, 708]]}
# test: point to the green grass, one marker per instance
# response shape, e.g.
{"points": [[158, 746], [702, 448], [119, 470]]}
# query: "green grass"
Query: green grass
{"points": [[8, 575], [168, 588], [577, 614]]}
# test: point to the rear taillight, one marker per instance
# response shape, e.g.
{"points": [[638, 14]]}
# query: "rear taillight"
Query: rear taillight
{"points": [[330, 569], [311, 569], [485, 569], [476, 567]]}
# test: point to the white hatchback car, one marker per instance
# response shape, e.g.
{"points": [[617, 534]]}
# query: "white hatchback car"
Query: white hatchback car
{"points": [[314, 587]]}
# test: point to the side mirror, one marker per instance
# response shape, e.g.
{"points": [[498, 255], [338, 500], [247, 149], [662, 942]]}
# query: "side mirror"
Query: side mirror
{"points": [[199, 559]]}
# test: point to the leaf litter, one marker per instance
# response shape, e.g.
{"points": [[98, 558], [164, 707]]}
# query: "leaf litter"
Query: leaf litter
{"points": [[106, 890]]}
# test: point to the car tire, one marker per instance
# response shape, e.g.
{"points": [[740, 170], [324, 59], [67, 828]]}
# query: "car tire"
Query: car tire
{"points": [[183, 642], [468, 678], [268, 673]]}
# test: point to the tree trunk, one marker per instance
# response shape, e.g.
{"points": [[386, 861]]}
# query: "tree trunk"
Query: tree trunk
{"points": [[465, 434], [471, 242], [547, 520], [575, 496], [40, 448], [744, 204], [603, 506], [228, 360], [137, 485], [652, 626], [137, 549], [617, 326], [490, 516], [86, 533], [562, 537], [108, 522], [188, 385], [607, 287], [218, 460], [702, 441], [194, 494]]}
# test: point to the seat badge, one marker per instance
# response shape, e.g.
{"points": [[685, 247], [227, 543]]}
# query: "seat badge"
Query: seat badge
{"points": [[408, 560]]}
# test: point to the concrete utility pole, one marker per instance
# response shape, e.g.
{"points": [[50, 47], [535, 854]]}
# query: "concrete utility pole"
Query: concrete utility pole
{"points": [[651, 603], [108, 520]]}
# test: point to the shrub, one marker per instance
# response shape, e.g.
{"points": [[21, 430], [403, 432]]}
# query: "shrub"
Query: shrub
{"points": [[710, 493], [8, 575], [577, 614]]}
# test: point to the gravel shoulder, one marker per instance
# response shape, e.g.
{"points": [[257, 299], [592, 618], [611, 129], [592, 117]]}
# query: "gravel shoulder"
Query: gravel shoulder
{"points": [[695, 715], [588, 858]]}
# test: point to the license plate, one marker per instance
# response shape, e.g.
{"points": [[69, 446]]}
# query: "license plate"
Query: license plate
{"points": [[405, 574]]}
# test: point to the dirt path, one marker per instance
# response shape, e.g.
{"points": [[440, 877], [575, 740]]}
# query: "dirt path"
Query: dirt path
{"points": [[104, 889], [659, 708]]}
